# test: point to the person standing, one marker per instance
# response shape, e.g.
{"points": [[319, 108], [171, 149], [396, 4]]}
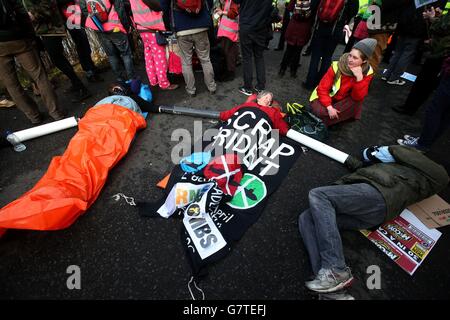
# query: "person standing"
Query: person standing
{"points": [[49, 25], [286, 19], [112, 30], [71, 12], [437, 115], [228, 34], [297, 35], [254, 23], [411, 31], [17, 41], [327, 33], [192, 34], [428, 77], [148, 18]]}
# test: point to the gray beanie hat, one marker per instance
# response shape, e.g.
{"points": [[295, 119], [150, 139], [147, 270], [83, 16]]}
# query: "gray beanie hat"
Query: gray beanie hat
{"points": [[366, 46]]}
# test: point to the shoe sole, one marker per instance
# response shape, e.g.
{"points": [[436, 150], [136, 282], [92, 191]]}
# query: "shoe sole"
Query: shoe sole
{"points": [[397, 84], [340, 286], [246, 93]]}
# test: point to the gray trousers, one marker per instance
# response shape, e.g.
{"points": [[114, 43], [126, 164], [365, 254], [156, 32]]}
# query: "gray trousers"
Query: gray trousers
{"points": [[199, 42], [405, 50], [349, 207]]}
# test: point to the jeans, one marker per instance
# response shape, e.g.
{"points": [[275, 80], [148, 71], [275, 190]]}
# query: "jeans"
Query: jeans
{"points": [[405, 50], [200, 42], [349, 207], [115, 44], [437, 114], [252, 46]]}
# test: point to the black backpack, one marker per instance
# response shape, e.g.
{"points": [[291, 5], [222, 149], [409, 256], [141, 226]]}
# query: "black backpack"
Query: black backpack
{"points": [[7, 15]]}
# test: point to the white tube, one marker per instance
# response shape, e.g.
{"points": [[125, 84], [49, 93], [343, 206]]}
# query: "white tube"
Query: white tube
{"points": [[317, 146], [45, 129]]}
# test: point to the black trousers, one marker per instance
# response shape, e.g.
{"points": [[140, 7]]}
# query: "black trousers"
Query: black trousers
{"points": [[427, 80], [54, 47], [83, 49], [252, 47], [291, 58]]}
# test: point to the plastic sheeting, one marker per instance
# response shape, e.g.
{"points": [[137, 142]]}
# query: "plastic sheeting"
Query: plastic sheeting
{"points": [[74, 180]]}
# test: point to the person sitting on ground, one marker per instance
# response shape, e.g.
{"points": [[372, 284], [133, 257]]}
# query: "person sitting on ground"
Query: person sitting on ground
{"points": [[264, 101], [341, 92], [393, 178]]}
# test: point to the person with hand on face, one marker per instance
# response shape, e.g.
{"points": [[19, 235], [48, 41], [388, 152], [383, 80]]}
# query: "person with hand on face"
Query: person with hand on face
{"points": [[341, 92]]}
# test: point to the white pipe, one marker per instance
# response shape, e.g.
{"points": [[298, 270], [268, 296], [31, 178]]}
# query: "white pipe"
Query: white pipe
{"points": [[45, 129], [317, 146]]}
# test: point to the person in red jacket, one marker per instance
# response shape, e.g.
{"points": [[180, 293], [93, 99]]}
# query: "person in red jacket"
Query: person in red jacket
{"points": [[341, 92], [264, 101]]}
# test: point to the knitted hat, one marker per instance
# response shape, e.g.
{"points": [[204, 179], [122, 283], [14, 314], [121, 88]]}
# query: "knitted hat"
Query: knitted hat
{"points": [[366, 46]]}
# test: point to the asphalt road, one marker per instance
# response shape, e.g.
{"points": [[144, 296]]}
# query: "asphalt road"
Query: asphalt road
{"points": [[124, 256]]}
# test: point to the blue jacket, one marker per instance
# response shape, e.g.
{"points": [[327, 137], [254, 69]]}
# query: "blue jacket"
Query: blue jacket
{"points": [[184, 21]]}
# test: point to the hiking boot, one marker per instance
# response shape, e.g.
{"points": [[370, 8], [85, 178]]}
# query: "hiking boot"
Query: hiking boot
{"points": [[329, 281], [397, 82], [81, 94], [245, 91], [171, 87]]}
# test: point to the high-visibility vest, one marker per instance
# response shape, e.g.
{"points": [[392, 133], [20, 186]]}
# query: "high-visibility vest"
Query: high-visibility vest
{"points": [[145, 18], [113, 22], [337, 82], [228, 27], [363, 6], [447, 8]]}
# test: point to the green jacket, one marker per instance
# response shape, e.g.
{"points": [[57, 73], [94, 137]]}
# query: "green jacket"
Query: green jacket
{"points": [[47, 18], [440, 33], [412, 178]]}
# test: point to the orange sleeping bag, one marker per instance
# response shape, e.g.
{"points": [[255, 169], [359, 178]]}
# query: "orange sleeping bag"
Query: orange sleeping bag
{"points": [[74, 180]]}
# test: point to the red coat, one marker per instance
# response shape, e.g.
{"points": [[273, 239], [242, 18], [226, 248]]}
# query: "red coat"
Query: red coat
{"points": [[273, 113], [298, 31], [349, 87]]}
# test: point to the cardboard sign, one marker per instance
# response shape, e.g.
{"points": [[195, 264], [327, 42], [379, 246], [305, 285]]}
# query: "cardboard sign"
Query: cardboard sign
{"points": [[405, 240], [433, 212]]}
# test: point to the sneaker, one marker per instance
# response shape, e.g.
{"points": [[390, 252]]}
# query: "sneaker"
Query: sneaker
{"points": [[409, 141], [408, 137], [397, 82], [258, 91], [245, 91], [171, 87], [329, 281], [383, 78]]}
